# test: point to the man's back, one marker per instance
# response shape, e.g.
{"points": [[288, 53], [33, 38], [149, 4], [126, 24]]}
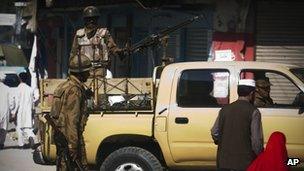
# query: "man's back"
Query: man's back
{"points": [[24, 98], [72, 99], [4, 101], [235, 150], [25, 92]]}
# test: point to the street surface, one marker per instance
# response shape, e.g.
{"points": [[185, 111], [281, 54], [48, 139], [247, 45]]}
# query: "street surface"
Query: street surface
{"points": [[12, 158]]}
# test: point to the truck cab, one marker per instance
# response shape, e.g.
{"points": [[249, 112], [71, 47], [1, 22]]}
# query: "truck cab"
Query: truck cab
{"points": [[186, 119]]}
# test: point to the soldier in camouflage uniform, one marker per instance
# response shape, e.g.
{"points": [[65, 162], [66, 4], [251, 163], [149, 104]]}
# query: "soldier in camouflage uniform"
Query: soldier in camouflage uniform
{"points": [[95, 42], [262, 95], [69, 112]]}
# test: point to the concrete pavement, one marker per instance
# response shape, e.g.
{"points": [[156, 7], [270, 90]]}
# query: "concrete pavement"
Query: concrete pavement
{"points": [[12, 158]]}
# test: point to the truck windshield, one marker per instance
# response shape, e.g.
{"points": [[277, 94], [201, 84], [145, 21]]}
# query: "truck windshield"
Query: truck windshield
{"points": [[299, 72]]}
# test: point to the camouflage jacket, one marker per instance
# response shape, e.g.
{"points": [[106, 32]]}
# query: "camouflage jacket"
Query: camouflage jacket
{"points": [[70, 114], [260, 101], [102, 39]]}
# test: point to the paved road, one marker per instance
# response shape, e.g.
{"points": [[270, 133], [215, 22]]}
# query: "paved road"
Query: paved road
{"points": [[12, 158]]}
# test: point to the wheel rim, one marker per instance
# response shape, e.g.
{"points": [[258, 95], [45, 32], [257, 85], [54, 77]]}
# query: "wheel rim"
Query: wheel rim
{"points": [[129, 167]]}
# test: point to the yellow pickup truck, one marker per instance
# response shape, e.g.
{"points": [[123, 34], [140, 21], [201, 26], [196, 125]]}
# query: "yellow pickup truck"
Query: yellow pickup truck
{"points": [[172, 130]]}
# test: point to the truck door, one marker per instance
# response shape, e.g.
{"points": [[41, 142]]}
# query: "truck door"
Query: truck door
{"points": [[283, 114], [196, 98]]}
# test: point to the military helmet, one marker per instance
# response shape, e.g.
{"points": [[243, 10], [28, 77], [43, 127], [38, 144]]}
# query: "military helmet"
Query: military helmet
{"points": [[263, 83], [79, 63], [90, 11]]}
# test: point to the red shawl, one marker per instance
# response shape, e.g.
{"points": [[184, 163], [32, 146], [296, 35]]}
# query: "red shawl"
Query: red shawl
{"points": [[274, 157]]}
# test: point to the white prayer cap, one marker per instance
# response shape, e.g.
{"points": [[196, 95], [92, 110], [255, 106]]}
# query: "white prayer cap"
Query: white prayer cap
{"points": [[247, 82], [2, 76]]}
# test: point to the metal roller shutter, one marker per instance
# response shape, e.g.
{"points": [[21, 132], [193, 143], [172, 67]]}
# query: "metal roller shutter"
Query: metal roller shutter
{"points": [[280, 38], [282, 90], [280, 32], [173, 48], [197, 42]]}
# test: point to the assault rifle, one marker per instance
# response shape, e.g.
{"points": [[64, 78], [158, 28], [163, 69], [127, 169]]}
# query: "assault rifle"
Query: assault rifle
{"points": [[155, 39], [60, 140]]}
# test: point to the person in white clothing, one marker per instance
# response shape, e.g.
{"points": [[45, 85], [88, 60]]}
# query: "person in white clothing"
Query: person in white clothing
{"points": [[25, 97], [6, 105]]}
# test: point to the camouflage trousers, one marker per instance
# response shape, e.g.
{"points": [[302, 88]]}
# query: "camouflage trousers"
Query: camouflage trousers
{"points": [[64, 164]]}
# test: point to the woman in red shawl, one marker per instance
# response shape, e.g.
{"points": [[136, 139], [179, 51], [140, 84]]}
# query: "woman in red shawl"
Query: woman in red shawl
{"points": [[274, 157]]}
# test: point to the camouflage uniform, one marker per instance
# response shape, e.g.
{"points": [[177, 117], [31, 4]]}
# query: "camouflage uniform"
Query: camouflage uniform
{"points": [[262, 101], [98, 47], [262, 98], [72, 119]]}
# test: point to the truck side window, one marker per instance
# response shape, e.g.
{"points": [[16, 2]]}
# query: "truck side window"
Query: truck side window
{"points": [[273, 89], [203, 88]]}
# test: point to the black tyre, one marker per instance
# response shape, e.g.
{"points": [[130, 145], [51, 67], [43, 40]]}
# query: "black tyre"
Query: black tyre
{"points": [[131, 159], [37, 157]]}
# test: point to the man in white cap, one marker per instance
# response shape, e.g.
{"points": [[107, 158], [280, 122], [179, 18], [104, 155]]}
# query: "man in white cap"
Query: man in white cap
{"points": [[238, 130], [6, 105]]}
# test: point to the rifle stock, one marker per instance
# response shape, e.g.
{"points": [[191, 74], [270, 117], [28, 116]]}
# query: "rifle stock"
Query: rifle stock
{"points": [[62, 141]]}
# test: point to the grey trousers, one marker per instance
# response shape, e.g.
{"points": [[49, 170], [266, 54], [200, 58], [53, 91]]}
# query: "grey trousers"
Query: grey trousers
{"points": [[2, 136]]}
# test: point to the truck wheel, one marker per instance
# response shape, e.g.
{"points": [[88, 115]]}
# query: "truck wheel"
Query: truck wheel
{"points": [[131, 159], [37, 157]]}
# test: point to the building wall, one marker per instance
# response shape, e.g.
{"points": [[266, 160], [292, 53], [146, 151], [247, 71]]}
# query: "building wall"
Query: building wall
{"points": [[233, 31]]}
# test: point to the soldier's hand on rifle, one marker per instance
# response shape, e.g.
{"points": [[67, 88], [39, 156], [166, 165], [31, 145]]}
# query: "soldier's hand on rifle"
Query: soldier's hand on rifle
{"points": [[89, 93], [73, 153]]}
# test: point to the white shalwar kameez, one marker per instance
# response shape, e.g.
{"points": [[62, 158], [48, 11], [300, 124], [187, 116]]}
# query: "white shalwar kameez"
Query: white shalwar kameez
{"points": [[4, 111], [7, 105], [24, 126]]}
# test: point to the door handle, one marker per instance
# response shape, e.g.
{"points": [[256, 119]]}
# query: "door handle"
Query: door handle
{"points": [[181, 120]]}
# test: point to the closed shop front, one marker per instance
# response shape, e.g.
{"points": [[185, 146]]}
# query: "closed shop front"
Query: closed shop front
{"points": [[280, 31], [280, 38], [197, 44]]}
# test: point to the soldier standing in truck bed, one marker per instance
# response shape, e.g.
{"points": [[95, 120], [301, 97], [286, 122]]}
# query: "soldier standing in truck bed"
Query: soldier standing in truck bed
{"points": [[69, 113], [95, 42]]}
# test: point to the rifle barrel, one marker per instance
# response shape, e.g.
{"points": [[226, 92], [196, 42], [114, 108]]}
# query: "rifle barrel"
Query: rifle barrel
{"points": [[178, 26], [155, 38]]}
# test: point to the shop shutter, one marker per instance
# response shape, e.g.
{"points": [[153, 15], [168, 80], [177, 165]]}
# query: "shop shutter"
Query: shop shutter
{"points": [[280, 32], [173, 47], [139, 60], [197, 43], [280, 38]]}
